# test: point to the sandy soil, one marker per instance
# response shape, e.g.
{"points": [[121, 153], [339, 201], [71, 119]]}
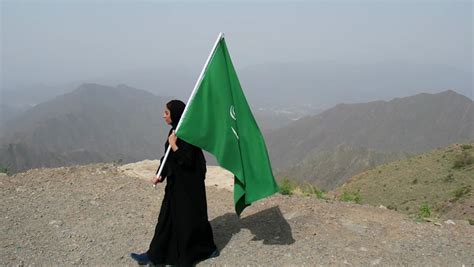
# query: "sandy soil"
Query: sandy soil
{"points": [[216, 176], [98, 214]]}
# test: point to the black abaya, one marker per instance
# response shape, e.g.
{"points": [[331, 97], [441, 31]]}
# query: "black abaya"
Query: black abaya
{"points": [[183, 234]]}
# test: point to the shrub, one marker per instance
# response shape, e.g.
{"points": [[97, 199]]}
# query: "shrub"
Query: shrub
{"points": [[461, 191], [449, 178], [286, 187], [320, 194], [424, 211], [311, 190], [392, 207], [351, 197], [465, 147], [3, 169], [462, 160]]}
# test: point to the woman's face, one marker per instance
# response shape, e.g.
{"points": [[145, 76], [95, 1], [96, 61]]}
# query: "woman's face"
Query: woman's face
{"points": [[167, 116]]}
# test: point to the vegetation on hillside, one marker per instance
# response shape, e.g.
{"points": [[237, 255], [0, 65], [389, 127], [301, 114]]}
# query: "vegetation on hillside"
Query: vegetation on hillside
{"points": [[329, 148], [3, 169], [291, 187], [435, 184]]}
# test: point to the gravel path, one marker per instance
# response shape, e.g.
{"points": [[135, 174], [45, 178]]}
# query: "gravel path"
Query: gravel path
{"points": [[97, 215]]}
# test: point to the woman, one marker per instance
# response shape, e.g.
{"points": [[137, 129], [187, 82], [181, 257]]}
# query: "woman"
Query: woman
{"points": [[183, 234]]}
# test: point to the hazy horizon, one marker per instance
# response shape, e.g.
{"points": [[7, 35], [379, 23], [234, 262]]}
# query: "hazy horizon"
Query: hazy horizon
{"points": [[51, 42]]}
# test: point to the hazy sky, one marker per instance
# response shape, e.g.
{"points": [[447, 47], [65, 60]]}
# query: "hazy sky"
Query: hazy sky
{"points": [[61, 41]]}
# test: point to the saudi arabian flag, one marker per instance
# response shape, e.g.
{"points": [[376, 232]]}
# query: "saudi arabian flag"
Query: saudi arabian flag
{"points": [[218, 119]]}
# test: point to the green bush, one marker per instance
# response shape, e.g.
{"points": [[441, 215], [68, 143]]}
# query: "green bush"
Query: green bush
{"points": [[320, 194], [3, 169], [117, 162], [424, 211], [449, 178], [311, 190], [286, 187], [465, 147], [351, 197], [461, 191], [462, 160], [392, 207]]}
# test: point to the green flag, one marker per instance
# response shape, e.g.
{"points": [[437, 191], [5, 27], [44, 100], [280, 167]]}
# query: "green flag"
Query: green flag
{"points": [[218, 119]]}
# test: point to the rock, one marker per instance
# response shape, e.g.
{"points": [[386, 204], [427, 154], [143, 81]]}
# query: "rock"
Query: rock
{"points": [[291, 215], [55, 222], [376, 262], [21, 189], [382, 207], [449, 222]]}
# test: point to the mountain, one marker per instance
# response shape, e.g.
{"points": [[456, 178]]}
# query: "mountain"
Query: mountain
{"points": [[93, 123], [8, 112], [97, 123], [412, 124], [443, 179], [333, 166], [307, 86]]}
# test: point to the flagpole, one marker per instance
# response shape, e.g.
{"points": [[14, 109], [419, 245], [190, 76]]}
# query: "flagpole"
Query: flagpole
{"points": [[198, 83]]}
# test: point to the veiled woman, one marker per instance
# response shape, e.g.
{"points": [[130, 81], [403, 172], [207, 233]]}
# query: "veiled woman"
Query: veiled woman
{"points": [[183, 234]]}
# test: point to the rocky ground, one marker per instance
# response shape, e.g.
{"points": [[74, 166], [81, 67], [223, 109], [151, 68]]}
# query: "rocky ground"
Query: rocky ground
{"points": [[98, 214]]}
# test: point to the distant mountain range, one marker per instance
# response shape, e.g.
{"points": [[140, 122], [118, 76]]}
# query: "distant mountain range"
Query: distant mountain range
{"points": [[97, 123], [291, 88], [329, 148], [93, 123]]}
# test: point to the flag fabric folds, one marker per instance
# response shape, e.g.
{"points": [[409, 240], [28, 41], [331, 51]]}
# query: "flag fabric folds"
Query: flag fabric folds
{"points": [[218, 119]]}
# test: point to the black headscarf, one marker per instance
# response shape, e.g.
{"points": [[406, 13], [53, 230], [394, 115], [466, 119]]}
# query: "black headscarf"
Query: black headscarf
{"points": [[176, 108]]}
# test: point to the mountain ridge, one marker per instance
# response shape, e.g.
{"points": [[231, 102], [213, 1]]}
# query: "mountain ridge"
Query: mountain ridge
{"points": [[410, 125], [92, 123]]}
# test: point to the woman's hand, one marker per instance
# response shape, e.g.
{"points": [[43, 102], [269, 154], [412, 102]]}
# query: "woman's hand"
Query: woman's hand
{"points": [[172, 140], [156, 179]]}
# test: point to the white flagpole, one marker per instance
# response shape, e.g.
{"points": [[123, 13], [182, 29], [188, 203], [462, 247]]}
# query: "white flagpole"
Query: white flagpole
{"points": [[198, 83]]}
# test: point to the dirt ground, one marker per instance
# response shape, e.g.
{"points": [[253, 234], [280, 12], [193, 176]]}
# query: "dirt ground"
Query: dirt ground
{"points": [[98, 214]]}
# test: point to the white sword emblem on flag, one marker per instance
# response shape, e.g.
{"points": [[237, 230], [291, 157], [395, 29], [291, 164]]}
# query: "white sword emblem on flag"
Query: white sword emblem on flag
{"points": [[232, 115]]}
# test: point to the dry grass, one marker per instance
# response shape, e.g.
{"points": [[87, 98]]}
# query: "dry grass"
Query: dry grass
{"points": [[427, 179]]}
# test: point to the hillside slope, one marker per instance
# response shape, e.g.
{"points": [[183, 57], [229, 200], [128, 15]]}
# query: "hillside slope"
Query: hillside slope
{"points": [[413, 124], [93, 123], [97, 215], [332, 167], [443, 179]]}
